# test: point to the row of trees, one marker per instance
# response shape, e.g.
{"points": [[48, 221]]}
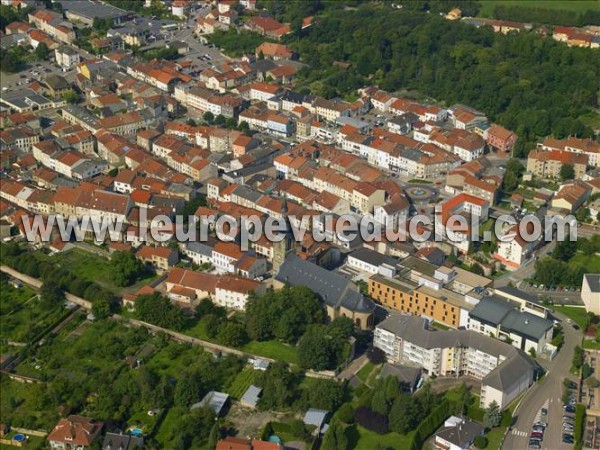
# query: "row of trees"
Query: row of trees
{"points": [[524, 82], [548, 16]]}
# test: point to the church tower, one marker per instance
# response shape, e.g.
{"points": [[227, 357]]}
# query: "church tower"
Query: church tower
{"points": [[282, 248]]}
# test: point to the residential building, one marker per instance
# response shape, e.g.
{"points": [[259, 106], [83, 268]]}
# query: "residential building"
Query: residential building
{"points": [[500, 138], [590, 292], [458, 433], [161, 258], [67, 57], [547, 164], [74, 433], [505, 371], [502, 319], [514, 248]]}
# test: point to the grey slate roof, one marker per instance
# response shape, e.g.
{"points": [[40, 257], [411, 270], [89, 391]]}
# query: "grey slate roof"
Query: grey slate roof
{"points": [[214, 400], [251, 396], [409, 376], [199, 247], [495, 311], [463, 434], [372, 257], [315, 417], [114, 441], [593, 280], [415, 330], [334, 289]]}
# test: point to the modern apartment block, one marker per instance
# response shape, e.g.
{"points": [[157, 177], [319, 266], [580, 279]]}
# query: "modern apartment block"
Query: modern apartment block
{"points": [[420, 288], [505, 371]]}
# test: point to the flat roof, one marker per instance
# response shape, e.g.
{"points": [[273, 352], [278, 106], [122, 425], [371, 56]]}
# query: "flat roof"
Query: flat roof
{"points": [[91, 10]]}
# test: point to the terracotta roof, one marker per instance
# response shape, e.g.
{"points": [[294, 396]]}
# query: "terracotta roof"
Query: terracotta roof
{"points": [[76, 431]]}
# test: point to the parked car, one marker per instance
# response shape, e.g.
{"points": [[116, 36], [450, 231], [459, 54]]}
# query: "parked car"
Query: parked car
{"points": [[541, 424], [537, 434], [569, 408]]}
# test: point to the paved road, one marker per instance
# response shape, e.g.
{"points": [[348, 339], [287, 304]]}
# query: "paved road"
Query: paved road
{"points": [[549, 391]]}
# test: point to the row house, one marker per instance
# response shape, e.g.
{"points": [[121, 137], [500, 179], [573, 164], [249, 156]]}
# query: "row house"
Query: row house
{"points": [[203, 99], [466, 118], [160, 258], [113, 148], [70, 163], [125, 124], [588, 147], [228, 291], [467, 146], [571, 196], [262, 119], [227, 257], [52, 23], [330, 110], [548, 164], [22, 138]]}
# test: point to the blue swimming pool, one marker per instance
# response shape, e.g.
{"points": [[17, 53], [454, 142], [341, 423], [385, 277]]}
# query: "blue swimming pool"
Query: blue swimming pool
{"points": [[137, 432], [19, 437], [275, 439]]}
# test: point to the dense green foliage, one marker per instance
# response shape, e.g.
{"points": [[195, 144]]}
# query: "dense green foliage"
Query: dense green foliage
{"points": [[283, 314], [324, 347], [159, 310], [126, 268], [523, 13], [237, 43], [579, 424], [527, 83]]}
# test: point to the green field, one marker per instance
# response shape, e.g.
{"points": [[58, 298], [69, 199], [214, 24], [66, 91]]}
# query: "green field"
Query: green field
{"points": [[487, 6], [91, 267], [360, 438], [576, 314], [242, 382], [366, 370], [591, 263], [274, 350]]}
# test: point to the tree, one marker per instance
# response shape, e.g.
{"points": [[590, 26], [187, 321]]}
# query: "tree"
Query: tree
{"points": [[464, 399], [578, 356], [159, 311], [232, 334], [70, 96], [125, 268], [101, 309], [480, 441], [220, 120], [51, 294], [376, 355], [567, 172], [565, 249], [208, 117], [326, 394], [41, 51], [371, 420], [188, 389], [492, 416]]}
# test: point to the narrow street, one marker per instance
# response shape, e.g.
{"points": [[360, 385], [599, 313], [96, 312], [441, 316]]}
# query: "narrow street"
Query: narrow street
{"points": [[548, 390]]}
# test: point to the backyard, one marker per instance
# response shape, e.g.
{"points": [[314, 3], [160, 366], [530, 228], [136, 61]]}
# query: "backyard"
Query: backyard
{"points": [[487, 6]]}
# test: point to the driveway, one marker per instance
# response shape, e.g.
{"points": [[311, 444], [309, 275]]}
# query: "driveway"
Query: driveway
{"points": [[548, 391]]}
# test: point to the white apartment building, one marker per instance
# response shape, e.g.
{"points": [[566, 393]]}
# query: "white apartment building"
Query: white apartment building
{"points": [[504, 370]]}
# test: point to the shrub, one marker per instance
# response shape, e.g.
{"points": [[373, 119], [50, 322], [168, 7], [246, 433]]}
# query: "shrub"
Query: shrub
{"points": [[371, 420], [481, 442]]}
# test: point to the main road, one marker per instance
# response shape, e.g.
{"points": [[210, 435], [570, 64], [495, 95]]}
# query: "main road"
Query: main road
{"points": [[547, 391]]}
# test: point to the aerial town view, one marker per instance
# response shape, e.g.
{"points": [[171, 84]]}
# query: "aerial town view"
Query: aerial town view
{"points": [[300, 224]]}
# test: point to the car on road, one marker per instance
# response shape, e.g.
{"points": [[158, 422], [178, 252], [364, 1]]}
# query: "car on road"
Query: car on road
{"points": [[544, 411]]}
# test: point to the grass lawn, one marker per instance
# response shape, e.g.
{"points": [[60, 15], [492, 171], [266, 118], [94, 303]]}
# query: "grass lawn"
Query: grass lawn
{"points": [[360, 438], [92, 267], [591, 344], [364, 373], [242, 382], [487, 6], [273, 349], [576, 314], [591, 263]]}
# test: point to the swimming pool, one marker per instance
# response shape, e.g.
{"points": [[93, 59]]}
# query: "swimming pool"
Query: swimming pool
{"points": [[137, 432], [19, 437]]}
